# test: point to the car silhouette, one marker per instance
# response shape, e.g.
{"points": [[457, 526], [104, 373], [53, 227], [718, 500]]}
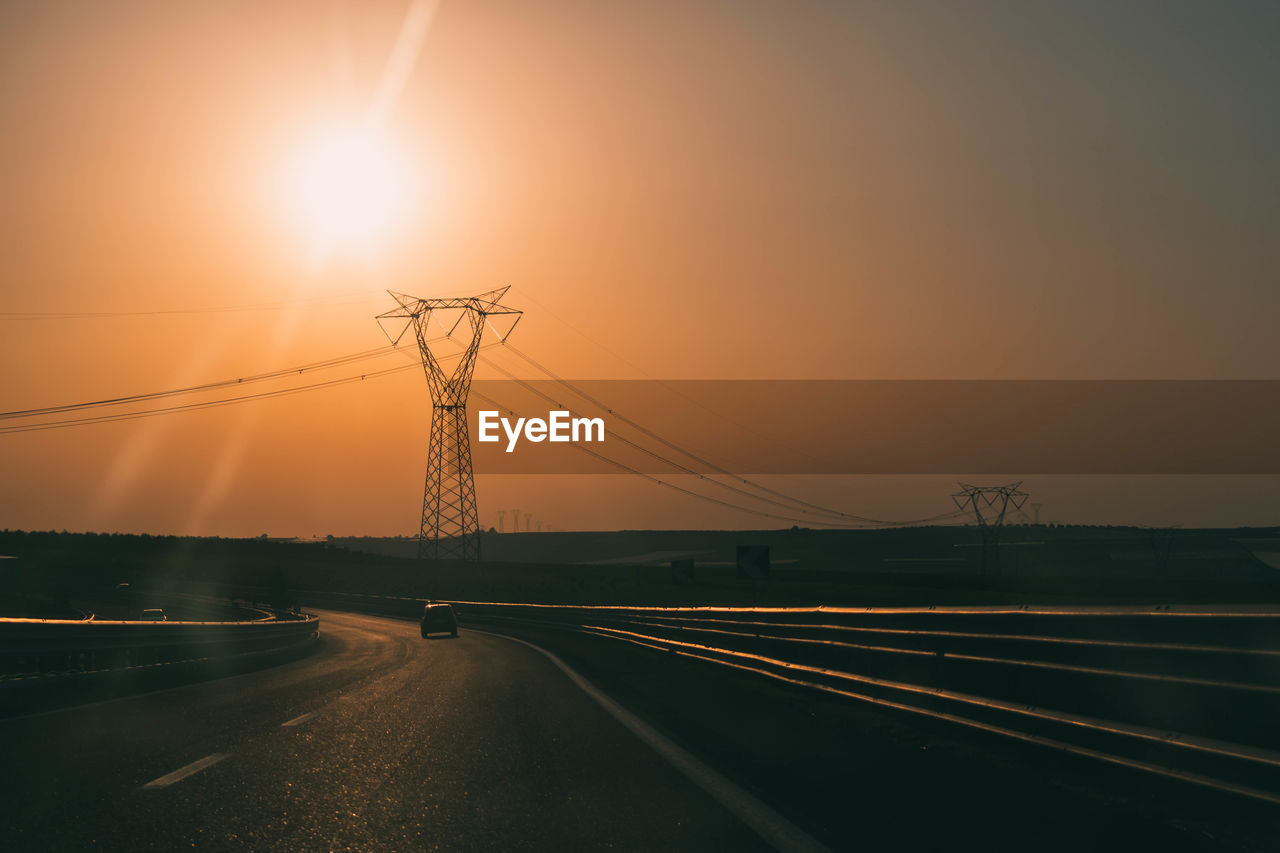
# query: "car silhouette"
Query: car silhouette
{"points": [[438, 617]]}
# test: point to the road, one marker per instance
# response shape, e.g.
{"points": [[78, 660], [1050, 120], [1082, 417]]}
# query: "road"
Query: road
{"points": [[384, 741], [397, 743]]}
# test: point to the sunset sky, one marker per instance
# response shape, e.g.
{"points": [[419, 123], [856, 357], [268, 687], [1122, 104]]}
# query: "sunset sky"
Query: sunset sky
{"points": [[716, 190]]}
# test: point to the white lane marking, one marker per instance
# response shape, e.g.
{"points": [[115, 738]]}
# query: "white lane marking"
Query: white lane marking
{"points": [[767, 823], [183, 772], [299, 720]]}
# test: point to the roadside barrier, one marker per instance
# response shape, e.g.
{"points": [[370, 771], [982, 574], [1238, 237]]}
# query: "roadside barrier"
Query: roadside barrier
{"points": [[51, 661], [1186, 693]]}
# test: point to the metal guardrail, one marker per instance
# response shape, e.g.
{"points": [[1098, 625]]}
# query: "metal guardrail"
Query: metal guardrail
{"points": [[1187, 693], [1190, 694], [31, 648]]}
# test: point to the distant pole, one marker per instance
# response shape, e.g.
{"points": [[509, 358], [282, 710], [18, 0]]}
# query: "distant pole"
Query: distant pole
{"points": [[1036, 509], [989, 504], [502, 516], [528, 522], [515, 521], [450, 519]]}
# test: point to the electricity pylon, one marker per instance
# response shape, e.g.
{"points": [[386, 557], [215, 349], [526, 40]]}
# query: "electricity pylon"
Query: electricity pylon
{"points": [[450, 520], [989, 505], [1162, 543]]}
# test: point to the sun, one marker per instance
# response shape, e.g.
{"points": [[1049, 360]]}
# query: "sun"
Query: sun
{"points": [[349, 189]]}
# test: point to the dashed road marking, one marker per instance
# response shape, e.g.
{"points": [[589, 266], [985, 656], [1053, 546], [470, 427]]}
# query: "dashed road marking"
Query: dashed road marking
{"points": [[183, 772]]}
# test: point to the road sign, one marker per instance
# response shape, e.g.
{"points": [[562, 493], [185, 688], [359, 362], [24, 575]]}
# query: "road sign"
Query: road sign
{"points": [[753, 561]]}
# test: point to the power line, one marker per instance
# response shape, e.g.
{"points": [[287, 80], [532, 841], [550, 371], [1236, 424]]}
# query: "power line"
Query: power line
{"points": [[381, 351], [663, 384], [687, 453], [208, 386], [209, 404], [699, 496], [652, 454], [686, 470], [700, 460], [206, 404], [629, 470]]}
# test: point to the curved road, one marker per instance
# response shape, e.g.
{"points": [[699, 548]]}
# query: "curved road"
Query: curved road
{"points": [[379, 741], [383, 741]]}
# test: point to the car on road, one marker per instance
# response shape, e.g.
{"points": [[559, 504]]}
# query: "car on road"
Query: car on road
{"points": [[153, 614], [438, 617]]}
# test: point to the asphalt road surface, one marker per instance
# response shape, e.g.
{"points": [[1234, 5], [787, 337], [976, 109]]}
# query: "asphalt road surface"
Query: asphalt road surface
{"points": [[384, 741], [381, 741]]}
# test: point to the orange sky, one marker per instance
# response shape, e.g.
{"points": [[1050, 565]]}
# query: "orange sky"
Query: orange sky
{"points": [[711, 189]]}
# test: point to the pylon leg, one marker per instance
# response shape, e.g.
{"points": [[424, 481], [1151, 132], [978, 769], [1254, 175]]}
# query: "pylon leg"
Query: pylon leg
{"points": [[450, 518]]}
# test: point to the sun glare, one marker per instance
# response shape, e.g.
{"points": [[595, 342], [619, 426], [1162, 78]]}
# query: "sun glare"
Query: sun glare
{"points": [[349, 189]]}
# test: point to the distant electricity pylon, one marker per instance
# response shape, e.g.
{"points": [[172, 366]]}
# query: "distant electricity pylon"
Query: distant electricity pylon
{"points": [[1162, 543], [450, 520], [989, 504]]}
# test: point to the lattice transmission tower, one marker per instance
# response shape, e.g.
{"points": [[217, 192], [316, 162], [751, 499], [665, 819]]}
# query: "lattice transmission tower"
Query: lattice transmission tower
{"points": [[450, 519], [989, 505]]}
